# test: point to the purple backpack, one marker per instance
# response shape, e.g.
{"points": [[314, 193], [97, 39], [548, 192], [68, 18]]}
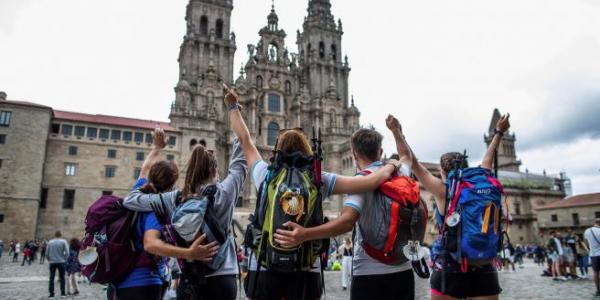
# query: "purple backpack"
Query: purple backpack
{"points": [[110, 229]]}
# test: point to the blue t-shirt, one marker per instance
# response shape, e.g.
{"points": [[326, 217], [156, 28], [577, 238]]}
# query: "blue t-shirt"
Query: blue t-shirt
{"points": [[143, 276]]}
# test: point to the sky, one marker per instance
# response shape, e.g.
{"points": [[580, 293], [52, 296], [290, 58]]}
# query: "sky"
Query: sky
{"points": [[440, 66]]}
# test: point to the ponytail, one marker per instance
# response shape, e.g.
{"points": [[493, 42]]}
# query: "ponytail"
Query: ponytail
{"points": [[201, 168]]}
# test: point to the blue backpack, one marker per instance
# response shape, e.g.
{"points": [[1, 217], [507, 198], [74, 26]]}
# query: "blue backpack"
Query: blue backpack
{"points": [[472, 229]]}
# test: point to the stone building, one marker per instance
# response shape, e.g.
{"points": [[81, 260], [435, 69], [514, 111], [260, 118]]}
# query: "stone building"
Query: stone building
{"points": [[575, 213], [54, 164]]}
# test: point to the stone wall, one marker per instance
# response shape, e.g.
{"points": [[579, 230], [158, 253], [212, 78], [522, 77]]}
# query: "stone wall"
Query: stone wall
{"points": [[22, 155], [89, 181]]}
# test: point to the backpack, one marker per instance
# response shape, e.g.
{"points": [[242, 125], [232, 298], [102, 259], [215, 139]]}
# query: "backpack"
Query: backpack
{"points": [[291, 191], [194, 217], [393, 225], [108, 253], [472, 228]]}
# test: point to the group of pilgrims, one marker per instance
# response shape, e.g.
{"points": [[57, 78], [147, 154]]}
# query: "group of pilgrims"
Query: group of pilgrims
{"points": [[156, 196]]}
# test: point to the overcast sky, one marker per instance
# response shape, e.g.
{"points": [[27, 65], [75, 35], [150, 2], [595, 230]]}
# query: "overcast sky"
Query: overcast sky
{"points": [[440, 66]]}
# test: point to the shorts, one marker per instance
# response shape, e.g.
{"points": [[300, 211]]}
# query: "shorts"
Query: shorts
{"points": [[478, 281], [275, 286], [394, 286], [595, 263]]}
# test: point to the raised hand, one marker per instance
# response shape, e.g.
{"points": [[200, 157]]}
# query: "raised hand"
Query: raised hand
{"points": [[205, 253], [159, 138], [503, 123], [392, 123], [231, 97]]}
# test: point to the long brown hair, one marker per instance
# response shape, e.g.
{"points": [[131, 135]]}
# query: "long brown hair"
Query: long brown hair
{"points": [[294, 141], [201, 168], [162, 177]]}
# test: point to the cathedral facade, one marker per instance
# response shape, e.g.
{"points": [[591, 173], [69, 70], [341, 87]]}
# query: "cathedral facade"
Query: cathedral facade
{"points": [[278, 89], [54, 163]]}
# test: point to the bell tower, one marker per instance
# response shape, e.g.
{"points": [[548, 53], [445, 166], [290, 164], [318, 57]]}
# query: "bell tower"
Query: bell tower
{"points": [[320, 47], [205, 62]]}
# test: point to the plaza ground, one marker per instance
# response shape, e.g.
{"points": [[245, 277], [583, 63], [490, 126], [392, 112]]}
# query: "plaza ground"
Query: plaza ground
{"points": [[31, 283]]}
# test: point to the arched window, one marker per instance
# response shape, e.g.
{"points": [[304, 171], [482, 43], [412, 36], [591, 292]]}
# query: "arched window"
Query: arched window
{"points": [[210, 97], [332, 118], [288, 87], [259, 82], [219, 29], [193, 143], [273, 52], [309, 49], [322, 50], [272, 132], [203, 143], [204, 25], [334, 52], [274, 103]]}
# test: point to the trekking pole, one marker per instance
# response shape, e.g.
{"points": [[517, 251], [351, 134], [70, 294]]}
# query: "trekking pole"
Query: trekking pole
{"points": [[496, 163]]}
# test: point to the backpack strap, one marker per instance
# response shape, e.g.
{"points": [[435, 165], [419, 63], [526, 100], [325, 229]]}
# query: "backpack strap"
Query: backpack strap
{"points": [[209, 218]]}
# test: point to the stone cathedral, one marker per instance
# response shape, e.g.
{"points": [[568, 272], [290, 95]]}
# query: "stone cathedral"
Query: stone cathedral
{"points": [[55, 163], [278, 88]]}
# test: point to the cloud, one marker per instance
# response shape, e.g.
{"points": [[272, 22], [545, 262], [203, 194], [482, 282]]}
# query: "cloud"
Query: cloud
{"points": [[568, 89]]}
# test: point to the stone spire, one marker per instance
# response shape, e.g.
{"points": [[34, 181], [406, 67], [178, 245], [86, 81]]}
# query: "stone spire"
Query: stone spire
{"points": [[319, 13]]}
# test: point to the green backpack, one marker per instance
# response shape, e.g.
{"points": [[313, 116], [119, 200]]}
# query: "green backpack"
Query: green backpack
{"points": [[290, 192]]}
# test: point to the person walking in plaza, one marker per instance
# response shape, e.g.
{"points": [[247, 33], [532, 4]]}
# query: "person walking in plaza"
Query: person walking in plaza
{"points": [[266, 284], [592, 236], [43, 247], [347, 254], [1, 249], [73, 267], [583, 255], [26, 254], [447, 280], [57, 255], [16, 252]]}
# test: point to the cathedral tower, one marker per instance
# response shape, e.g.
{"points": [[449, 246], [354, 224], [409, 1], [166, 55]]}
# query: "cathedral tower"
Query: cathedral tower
{"points": [[320, 51], [205, 62]]}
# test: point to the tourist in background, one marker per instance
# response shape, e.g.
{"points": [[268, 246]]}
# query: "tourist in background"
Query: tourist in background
{"points": [[592, 236], [26, 254], [57, 255], [1, 249], [73, 267], [347, 254], [583, 257], [43, 247], [16, 252], [569, 260], [555, 255]]}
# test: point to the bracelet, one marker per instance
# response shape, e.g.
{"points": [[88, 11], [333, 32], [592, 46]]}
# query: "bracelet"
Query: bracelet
{"points": [[234, 106], [496, 131]]}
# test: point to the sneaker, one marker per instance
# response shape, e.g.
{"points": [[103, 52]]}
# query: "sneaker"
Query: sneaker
{"points": [[51, 297], [597, 295], [563, 278]]}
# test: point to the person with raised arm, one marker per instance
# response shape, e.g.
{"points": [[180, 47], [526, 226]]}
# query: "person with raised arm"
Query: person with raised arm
{"points": [[270, 284], [448, 281]]}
